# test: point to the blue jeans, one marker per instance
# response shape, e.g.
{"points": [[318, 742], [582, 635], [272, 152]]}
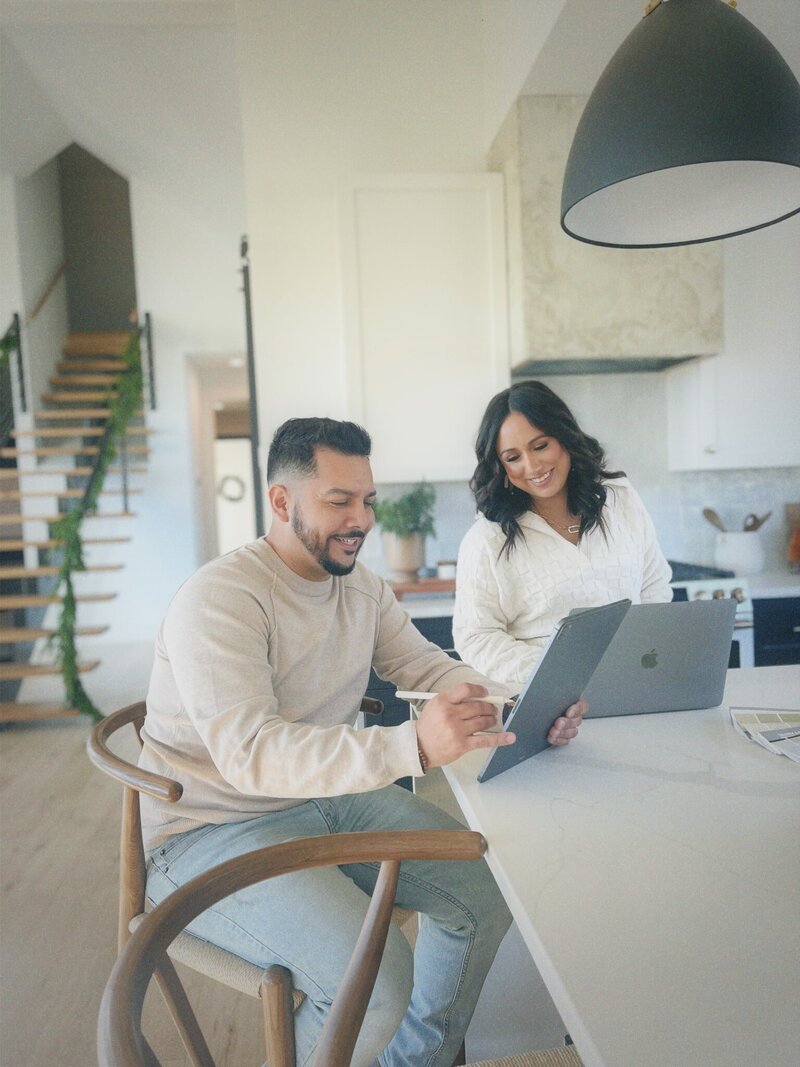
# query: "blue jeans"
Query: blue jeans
{"points": [[309, 921]]}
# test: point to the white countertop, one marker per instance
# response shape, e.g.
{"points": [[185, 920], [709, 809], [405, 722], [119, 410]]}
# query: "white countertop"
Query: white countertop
{"points": [[761, 586], [773, 584], [429, 607], [653, 869]]}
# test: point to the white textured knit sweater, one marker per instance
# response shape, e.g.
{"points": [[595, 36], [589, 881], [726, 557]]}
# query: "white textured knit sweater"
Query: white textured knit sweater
{"points": [[506, 607], [257, 682]]}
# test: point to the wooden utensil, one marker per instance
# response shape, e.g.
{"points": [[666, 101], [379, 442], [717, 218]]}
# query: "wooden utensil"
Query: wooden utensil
{"points": [[714, 519]]}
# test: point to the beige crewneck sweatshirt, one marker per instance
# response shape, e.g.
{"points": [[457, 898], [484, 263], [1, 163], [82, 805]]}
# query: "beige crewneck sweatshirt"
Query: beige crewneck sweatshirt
{"points": [[257, 682]]}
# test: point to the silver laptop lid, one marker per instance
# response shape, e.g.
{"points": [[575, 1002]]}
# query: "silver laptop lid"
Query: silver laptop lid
{"points": [[664, 657]]}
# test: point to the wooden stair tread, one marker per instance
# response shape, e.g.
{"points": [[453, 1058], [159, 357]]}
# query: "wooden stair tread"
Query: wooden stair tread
{"points": [[96, 342], [67, 450], [59, 415], [9, 671], [16, 519], [69, 396], [7, 474], [84, 379], [76, 431], [17, 544], [15, 634], [10, 711], [12, 603], [47, 571], [64, 494], [77, 363]]}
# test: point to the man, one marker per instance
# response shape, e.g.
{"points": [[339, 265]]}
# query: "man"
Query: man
{"points": [[260, 666]]}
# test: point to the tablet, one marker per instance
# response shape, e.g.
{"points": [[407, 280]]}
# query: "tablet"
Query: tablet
{"points": [[575, 648]]}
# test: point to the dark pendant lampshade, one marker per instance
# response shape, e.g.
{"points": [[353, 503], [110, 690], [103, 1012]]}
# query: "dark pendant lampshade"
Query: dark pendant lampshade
{"points": [[692, 133]]}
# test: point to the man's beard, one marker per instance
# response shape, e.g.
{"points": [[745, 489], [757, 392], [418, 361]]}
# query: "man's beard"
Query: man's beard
{"points": [[314, 544]]}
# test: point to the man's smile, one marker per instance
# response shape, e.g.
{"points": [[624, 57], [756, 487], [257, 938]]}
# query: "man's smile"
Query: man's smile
{"points": [[349, 541]]}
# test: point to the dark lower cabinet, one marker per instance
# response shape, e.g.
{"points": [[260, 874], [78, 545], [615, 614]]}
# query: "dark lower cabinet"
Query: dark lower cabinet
{"points": [[439, 630], [776, 633]]}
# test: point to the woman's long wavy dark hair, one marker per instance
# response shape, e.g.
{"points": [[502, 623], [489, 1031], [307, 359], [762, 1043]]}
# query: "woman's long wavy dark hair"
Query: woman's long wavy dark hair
{"points": [[586, 494]]}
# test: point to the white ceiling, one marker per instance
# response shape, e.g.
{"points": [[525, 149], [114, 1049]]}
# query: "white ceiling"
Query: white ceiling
{"points": [[181, 55], [150, 89], [588, 32], [119, 12]]}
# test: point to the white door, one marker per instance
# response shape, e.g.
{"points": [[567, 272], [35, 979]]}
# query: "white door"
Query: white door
{"points": [[233, 493]]}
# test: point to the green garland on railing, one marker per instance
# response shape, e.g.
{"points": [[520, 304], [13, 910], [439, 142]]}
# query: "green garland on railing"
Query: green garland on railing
{"points": [[126, 400], [9, 343]]}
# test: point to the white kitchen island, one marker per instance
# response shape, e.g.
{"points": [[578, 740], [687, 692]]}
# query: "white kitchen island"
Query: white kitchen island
{"points": [[653, 869]]}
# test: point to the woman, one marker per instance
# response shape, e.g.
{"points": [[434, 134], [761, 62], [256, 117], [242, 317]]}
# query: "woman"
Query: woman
{"points": [[556, 531]]}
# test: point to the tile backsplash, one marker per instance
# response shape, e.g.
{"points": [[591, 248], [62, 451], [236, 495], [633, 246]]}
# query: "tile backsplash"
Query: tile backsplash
{"points": [[627, 413]]}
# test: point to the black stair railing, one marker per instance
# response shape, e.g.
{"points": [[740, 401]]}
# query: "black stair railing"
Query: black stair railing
{"points": [[258, 492], [148, 369], [10, 348]]}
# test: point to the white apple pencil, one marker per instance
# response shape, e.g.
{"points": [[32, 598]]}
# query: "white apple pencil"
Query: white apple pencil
{"points": [[492, 698]]}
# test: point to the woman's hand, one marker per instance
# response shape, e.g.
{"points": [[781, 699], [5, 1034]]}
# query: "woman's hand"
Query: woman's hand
{"points": [[566, 726]]}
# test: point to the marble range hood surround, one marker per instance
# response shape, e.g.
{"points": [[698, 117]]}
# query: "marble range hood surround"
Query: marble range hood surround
{"points": [[578, 308]]}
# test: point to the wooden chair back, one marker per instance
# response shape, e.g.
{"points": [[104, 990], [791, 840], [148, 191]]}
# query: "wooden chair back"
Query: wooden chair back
{"points": [[120, 1040], [132, 872], [135, 781]]}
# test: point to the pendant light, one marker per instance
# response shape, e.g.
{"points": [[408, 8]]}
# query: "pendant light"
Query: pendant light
{"points": [[691, 134]]}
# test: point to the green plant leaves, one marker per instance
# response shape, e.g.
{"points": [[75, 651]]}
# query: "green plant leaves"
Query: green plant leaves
{"points": [[68, 529], [410, 513]]}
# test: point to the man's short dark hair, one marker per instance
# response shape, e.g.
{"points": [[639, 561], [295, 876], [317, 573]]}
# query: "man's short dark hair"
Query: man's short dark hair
{"points": [[293, 449]]}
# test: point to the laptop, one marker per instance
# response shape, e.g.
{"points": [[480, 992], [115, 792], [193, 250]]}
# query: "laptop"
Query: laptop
{"points": [[571, 656], [664, 657]]}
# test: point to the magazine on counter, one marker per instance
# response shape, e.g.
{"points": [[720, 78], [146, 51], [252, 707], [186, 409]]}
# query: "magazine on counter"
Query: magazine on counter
{"points": [[776, 729]]}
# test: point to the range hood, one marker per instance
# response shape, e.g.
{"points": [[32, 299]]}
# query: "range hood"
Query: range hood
{"points": [[538, 368], [585, 309]]}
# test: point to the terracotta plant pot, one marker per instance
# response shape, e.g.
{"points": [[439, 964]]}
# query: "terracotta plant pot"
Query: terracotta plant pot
{"points": [[404, 555]]}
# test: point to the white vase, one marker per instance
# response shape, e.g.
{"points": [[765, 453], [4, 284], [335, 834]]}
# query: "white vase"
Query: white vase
{"points": [[739, 551], [404, 555]]}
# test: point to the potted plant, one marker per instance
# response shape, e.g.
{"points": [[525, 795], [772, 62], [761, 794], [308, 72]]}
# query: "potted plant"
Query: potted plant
{"points": [[406, 521]]}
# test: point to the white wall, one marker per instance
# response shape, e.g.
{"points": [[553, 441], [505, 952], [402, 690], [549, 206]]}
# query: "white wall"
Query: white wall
{"points": [[513, 32], [187, 278], [41, 254], [329, 90], [10, 283], [32, 130]]}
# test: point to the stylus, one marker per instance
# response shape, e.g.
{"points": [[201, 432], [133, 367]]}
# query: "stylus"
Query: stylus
{"points": [[492, 698]]}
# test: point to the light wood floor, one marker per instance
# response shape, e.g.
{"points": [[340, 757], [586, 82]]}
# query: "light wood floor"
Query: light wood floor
{"points": [[59, 823]]}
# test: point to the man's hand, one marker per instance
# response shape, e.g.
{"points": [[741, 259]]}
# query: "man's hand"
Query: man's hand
{"points": [[452, 724], [566, 726]]}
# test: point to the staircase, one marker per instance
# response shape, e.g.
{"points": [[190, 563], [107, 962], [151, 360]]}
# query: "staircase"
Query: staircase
{"points": [[43, 473]]}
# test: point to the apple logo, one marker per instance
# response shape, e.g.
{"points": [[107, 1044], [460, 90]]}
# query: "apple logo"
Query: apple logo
{"points": [[650, 659]]}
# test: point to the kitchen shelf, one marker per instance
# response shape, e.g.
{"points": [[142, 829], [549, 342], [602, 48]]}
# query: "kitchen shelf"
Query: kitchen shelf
{"points": [[423, 586]]}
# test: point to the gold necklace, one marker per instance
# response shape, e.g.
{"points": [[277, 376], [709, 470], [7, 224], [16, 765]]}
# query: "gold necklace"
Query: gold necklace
{"points": [[571, 529]]}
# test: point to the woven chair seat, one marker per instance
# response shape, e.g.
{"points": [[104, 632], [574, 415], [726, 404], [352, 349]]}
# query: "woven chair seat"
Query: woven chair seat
{"points": [[217, 963], [551, 1057], [240, 974]]}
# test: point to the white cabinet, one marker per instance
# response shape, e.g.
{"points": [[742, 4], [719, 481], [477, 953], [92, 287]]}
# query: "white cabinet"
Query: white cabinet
{"points": [[724, 414], [425, 317], [741, 409]]}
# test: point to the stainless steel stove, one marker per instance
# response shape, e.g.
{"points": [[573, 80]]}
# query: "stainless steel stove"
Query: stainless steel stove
{"points": [[692, 582]]}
